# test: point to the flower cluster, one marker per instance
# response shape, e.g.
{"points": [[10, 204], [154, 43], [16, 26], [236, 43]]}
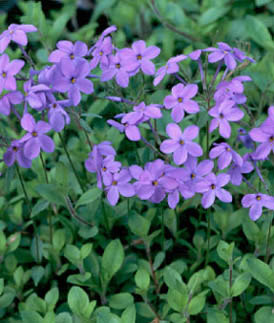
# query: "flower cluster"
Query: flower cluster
{"points": [[184, 166]]}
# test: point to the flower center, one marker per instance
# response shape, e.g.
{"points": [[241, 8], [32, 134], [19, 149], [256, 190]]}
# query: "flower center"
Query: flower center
{"points": [[258, 198], [114, 183], [221, 116], [192, 175], [34, 134], [155, 183], [101, 53], [104, 169], [180, 100], [11, 32], [4, 74], [54, 105], [228, 149], [71, 56], [118, 65], [271, 139], [139, 57], [14, 148], [213, 186], [73, 80], [181, 142]]}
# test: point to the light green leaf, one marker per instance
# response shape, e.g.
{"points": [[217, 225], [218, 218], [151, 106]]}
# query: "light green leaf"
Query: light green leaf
{"points": [[78, 300], [261, 272], [212, 15], [264, 314], [142, 279], [90, 196], [63, 318], [129, 314], [112, 259], [121, 301], [51, 193], [139, 225], [258, 31], [240, 284]]}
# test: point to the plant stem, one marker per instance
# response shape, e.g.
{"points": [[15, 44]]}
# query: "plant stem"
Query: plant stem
{"points": [[29, 207], [267, 255], [70, 161], [208, 238], [230, 287], [49, 216]]}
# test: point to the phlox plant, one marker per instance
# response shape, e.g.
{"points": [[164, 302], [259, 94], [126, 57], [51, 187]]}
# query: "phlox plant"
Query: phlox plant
{"points": [[187, 159]]}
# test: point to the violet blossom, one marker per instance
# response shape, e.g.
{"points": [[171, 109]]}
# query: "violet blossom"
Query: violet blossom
{"points": [[8, 100], [235, 171], [35, 139], [265, 136], [180, 101], [67, 49], [181, 144], [256, 202], [211, 187], [15, 153], [225, 155], [7, 72], [17, 34], [223, 112]]}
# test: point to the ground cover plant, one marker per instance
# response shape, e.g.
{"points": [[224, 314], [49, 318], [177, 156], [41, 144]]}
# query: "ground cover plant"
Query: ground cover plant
{"points": [[136, 183]]}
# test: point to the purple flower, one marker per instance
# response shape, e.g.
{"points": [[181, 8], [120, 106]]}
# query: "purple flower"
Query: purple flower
{"points": [[256, 202], [16, 33], [244, 137], [72, 79], [34, 94], [67, 49], [57, 116], [118, 68], [109, 167], [152, 183], [264, 135], [232, 90], [193, 173], [180, 101], [7, 71], [35, 139], [8, 100], [117, 184], [181, 144], [128, 126], [212, 187], [226, 154], [15, 153], [235, 171], [140, 56], [222, 113], [171, 67], [101, 54]]}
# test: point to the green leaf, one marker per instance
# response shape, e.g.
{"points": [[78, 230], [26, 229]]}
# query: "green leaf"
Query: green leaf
{"points": [[196, 304], [90, 196], [139, 225], [78, 300], [176, 300], [174, 280], [85, 250], [72, 253], [1, 286], [31, 317], [215, 315], [225, 251], [261, 272], [3, 242], [240, 284], [59, 239], [142, 279], [37, 273], [40, 206], [63, 318], [212, 15], [262, 2], [258, 31], [7, 298], [112, 259], [51, 193], [121, 301], [264, 314], [129, 314], [51, 298]]}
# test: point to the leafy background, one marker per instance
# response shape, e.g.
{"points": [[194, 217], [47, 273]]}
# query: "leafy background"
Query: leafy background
{"points": [[135, 262]]}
